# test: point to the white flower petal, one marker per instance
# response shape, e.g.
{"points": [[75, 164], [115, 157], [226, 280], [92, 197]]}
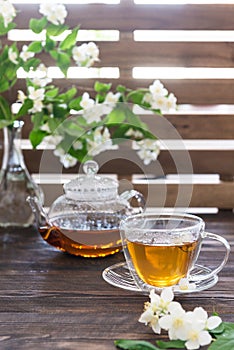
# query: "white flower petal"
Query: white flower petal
{"points": [[146, 317], [213, 322], [156, 328], [165, 322], [204, 338], [192, 344], [167, 294]]}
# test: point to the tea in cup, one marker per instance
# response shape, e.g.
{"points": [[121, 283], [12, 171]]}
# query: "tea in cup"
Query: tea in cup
{"points": [[160, 249]]}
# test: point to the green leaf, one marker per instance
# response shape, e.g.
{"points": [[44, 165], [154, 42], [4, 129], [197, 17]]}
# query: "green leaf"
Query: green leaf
{"points": [[63, 61], [52, 93], [4, 123], [31, 63], [224, 340], [68, 95], [70, 40], [54, 123], [37, 120], [56, 30], [37, 25], [73, 129], [116, 116], [36, 136], [228, 329], [28, 104], [121, 89], [101, 87], [5, 111], [132, 118], [4, 84], [134, 345], [35, 47], [75, 104], [59, 111], [54, 54], [223, 344], [172, 344], [135, 97], [4, 30], [49, 44], [218, 330]]}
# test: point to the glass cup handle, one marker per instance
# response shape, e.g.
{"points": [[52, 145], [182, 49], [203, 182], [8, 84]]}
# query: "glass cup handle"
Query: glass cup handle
{"points": [[128, 195], [223, 241]]}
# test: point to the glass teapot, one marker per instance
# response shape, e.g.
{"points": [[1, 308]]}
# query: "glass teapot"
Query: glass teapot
{"points": [[84, 221]]}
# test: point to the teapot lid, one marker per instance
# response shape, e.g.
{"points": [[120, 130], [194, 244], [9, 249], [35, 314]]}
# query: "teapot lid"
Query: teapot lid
{"points": [[90, 186]]}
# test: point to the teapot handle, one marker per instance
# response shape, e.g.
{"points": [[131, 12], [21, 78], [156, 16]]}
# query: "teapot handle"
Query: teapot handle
{"points": [[128, 195]]}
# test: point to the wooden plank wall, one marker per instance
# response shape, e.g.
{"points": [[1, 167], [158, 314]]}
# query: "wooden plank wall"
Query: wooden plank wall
{"points": [[205, 105]]}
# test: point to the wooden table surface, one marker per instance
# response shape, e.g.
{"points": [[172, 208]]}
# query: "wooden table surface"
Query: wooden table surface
{"points": [[51, 300]]}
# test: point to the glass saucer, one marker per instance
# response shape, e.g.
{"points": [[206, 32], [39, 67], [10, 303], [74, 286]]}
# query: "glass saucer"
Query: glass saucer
{"points": [[118, 275]]}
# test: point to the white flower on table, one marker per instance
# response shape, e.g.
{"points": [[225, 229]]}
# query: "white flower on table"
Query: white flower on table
{"points": [[192, 327], [12, 55], [196, 332], [200, 314], [158, 306], [25, 54], [101, 142], [148, 150], [7, 12], [55, 13], [174, 322]]}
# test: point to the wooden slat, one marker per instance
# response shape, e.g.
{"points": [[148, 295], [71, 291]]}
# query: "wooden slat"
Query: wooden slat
{"points": [[191, 126], [187, 91], [197, 195], [158, 195], [126, 161], [175, 54], [188, 126], [128, 16]]}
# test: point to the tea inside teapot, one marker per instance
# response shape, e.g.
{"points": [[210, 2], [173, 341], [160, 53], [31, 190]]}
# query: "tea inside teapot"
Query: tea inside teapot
{"points": [[85, 220]]}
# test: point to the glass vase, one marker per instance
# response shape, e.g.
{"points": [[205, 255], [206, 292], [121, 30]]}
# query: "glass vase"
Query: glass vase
{"points": [[16, 184]]}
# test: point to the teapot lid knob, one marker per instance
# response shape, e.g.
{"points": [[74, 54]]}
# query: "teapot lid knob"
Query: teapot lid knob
{"points": [[91, 186], [90, 167]]}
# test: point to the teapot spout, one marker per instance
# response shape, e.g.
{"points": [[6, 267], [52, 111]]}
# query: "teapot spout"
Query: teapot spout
{"points": [[40, 215]]}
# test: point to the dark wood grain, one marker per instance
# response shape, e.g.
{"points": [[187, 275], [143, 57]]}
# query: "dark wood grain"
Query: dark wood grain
{"points": [[128, 16], [51, 300], [187, 91], [126, 162], [157, 54]]}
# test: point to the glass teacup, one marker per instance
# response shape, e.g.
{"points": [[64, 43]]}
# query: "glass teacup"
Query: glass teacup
{"points": [[161, 249]]}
